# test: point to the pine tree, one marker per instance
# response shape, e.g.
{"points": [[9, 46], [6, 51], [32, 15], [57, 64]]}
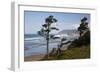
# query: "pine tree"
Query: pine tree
{"points": [[83, 26], [46, 29]]}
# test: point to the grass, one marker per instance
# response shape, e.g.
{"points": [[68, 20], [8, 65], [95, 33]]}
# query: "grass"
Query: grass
{"points": [[82, 52]]}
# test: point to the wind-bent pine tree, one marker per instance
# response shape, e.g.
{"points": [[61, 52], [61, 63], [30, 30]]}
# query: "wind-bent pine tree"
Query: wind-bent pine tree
{"points": [[46, 29], [83, 26]]}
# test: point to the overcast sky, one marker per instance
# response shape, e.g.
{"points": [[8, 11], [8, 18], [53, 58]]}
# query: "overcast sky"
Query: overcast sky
{"points": [[34, 20]]}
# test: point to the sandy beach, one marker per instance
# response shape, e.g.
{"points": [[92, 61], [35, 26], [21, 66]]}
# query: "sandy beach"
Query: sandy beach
{"points": [[34, 57]]}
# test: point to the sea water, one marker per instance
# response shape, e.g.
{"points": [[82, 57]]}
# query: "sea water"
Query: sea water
{"points": [[36, 45]]}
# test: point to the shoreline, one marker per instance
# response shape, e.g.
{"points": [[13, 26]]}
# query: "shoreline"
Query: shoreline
{"points": [[34, 57]]}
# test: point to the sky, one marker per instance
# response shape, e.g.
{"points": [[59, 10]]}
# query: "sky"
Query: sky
{"points": [[33, 20]]}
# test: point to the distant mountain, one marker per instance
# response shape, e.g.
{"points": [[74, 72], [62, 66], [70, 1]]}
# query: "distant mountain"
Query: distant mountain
{"points": [[68, 32]]}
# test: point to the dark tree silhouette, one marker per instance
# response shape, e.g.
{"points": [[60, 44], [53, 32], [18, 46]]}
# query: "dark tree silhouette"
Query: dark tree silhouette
{"points": [[84, 38], [46, 29], [83, 26]]}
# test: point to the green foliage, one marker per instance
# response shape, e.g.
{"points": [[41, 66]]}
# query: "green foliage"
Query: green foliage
{"points": [[76, 53], [83, 40], [46, 28], [83, 26], [82, 52], [63, 39], [50, 20]]}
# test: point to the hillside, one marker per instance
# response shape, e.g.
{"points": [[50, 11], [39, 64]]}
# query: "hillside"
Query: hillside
{"points": [[78, 49], [74, 53], [83, 40]]}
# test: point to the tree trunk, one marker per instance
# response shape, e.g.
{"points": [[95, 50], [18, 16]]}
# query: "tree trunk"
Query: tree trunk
{"points": [[47, 45]]}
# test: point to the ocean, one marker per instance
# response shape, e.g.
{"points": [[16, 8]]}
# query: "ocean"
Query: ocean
{"points": [[36, 45]]}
